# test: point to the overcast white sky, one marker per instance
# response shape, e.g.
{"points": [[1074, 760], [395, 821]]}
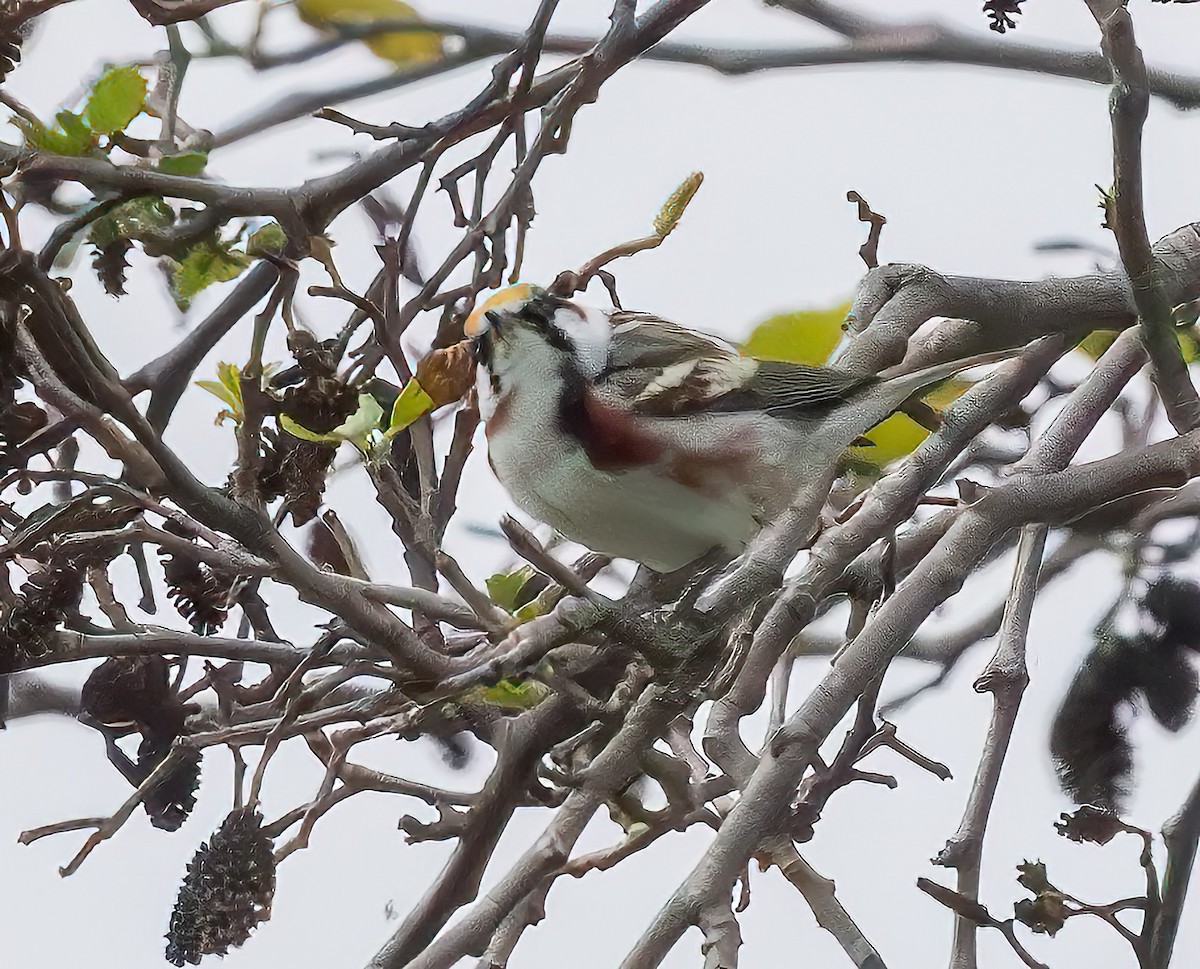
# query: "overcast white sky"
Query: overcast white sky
{"points": [[972, 168]]}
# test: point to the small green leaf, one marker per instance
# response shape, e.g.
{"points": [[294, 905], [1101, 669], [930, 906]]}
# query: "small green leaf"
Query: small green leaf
{"points": [[805, 336], [207, 262], [899, 435], [411, 403], [302, 432], [132, 220], [364, 420], [354, 428], [217, 389], [228, 388], [185, 163], [504, 587], [74, 127], [515, 694], [116, 99], [267, 240], [531, 610], [70, 136]]}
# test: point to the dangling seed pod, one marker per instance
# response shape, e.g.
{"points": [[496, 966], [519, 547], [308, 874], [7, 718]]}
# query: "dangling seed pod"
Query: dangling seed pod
{"points": [[1089, 741], [48, 595], [133, 690], [12, 33], [169, 802], [227, 891], [199, 592], [109, 263]]}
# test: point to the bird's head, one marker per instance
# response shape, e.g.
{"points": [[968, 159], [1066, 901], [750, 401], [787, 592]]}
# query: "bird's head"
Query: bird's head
{"points": [[525, 333]]}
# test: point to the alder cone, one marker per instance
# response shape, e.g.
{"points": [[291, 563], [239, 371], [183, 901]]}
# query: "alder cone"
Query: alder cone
{"points": [[171, 799], [110, 264], [447, 374], [226, 893], [12, 19], [46, 598], [133, 689]]}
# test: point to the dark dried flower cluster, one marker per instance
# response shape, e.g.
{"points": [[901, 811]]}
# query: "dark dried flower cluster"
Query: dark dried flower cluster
{"points": [[169, 802], [134, 692], [227, 891], [1091, 824], [199, 592], [296, 469], [109, 262], [1047, 911], [1089, 740], [47, 596], [18, 419], [13, 16], [1002, 14]]}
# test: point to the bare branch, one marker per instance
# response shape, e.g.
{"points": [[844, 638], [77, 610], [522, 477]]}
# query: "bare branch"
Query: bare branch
{"points": [[1181, 835], [1005, 677], [1130, 102]]}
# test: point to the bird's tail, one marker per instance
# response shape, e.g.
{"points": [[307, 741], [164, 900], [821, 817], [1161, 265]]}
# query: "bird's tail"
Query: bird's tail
{"points": [[880, 399], [897, 384], [913, 380]]}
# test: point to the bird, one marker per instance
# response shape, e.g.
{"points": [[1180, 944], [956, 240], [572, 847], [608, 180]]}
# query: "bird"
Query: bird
{"points": [[646, 440]]}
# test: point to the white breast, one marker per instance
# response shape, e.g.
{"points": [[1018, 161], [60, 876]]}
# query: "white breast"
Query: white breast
{"points": [[638, 514]]}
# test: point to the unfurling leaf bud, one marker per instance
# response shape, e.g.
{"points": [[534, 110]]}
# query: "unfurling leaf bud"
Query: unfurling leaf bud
{"points": [[447, 374]]}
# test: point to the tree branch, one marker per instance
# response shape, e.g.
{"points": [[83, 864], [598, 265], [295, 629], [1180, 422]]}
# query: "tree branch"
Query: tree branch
{"points": [[1130, 103], [1005, 677]]}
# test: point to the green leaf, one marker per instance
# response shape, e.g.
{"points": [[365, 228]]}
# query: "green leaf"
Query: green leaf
{"points": [[805, 336], [514, 694], [504, 587], [228, 388], [132, 220], [299, 430], [116, 99], [185, 163], [364, 420], [531, 610], [70, 136], [411, 403], [267, 240], [899, 435], [354, 428], [1096, 342], [207, 262]]}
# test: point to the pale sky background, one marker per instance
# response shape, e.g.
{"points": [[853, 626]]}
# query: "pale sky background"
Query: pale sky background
{"points": [[972, 168]]}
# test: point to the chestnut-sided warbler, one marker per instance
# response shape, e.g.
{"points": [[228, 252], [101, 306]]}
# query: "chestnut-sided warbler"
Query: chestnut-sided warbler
{"points": [[649, 441]]}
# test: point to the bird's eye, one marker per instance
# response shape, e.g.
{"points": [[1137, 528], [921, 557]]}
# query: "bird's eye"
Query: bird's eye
{"points": [[559, 339], [494, 317]]}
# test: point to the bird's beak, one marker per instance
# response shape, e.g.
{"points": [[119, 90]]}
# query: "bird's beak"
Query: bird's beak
{"points": [[480, 323]]}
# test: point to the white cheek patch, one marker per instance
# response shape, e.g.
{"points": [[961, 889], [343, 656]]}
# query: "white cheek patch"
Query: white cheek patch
{"points": [[591, 332]]}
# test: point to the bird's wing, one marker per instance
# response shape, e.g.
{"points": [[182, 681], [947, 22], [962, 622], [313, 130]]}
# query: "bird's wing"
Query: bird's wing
{"points": [[663, 369], [780, 386]]}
